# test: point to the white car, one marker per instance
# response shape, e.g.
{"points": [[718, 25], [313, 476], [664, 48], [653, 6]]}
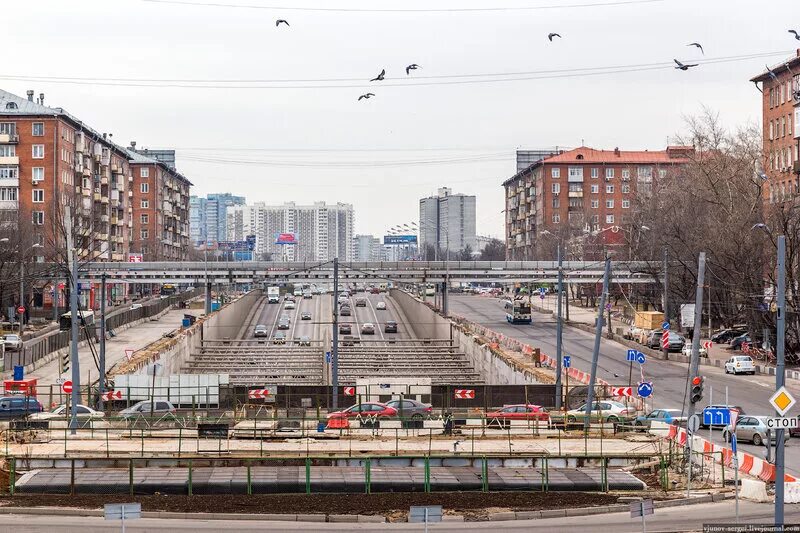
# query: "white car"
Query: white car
{"points": [[61, 412], [368, 328], [605, 410], [289, 305], [687, 350], [136, 306], [740, 364], [380, 306]]}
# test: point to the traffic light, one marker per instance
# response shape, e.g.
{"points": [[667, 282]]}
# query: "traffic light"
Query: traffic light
{"points": [[697, 389], [65, 359]]}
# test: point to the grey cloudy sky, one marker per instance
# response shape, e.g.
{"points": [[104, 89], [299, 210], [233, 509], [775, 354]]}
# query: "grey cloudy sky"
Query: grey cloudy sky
{"points": [[304, 143]]}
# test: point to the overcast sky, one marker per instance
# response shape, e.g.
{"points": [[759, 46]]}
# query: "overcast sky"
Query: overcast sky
{"points": [[314, 141]]}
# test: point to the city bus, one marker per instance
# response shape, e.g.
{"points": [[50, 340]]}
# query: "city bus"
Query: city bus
{"points": [[168, 289], [518, 311], [65, 320]]}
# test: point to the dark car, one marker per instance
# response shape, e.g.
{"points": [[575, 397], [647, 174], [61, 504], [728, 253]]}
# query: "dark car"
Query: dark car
{"points": [[344, 310], [726, 335], [411, 408], [12, 407], [390, 326], [361, 302], [345, 329], [349, 340], [736, 342], [676, 342]]}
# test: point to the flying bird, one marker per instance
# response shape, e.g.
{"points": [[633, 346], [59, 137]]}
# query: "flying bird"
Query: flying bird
{"points": [[380, 76], [698, 45], [279, 22], [366, 96], [551, 35], [681, 66], [771, 74], [412, 66], [796, 35]]}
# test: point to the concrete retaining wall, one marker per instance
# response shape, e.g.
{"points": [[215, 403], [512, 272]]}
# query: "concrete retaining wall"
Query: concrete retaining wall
{"points": [[423, 321]]}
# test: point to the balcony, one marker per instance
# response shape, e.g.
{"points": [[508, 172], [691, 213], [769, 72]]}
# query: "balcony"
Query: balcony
{"points": [[9, 138], [9, 205], [103, 218], [96, 196], [104, 200], [117, 257], [576, 194], [116, 169], [9, 160]]}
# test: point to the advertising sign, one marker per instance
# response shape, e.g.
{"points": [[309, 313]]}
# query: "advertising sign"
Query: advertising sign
{"points": [[135, 258], [285, 238], [234, 246], [687, 315], [399, 239]]}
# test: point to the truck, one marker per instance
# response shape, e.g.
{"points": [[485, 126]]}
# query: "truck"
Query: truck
{"points": [[273, 295]]}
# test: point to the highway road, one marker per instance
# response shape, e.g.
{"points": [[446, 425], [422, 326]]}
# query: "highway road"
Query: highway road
{"points": [[669, 378], [371, 314]]}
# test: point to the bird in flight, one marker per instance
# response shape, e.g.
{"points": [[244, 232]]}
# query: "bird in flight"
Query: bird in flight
{"points": [[412, 66], [796, 35], [551, 35], [380, 76], [681, 66], [771, 73], [698, 45], [279, 22], [366, 96]]}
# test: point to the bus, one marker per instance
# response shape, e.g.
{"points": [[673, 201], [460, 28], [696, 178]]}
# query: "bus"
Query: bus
{"points": [[168, 289], [65, 320], [518, 311]]}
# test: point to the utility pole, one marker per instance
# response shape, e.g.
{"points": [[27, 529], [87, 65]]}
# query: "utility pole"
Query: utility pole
{"points": [[780, 379], [102, 382], [55, 299], [335, 347], [598, 333], [21, 292], [694, 361], [208, 283], [446, 276], [558, 329], [666, 301], [73, 311]]}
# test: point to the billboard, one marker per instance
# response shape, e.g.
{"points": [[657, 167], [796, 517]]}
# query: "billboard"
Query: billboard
{"points": [[399, 239], [135, 258], [234, 246], [285, 238]]}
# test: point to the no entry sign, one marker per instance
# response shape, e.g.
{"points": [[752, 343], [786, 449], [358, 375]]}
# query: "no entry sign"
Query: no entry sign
{"points": [[66, 387]]}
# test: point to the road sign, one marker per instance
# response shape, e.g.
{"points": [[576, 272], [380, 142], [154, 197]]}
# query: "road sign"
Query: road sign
{"points": [[622, 391], [631, 355], [20, 309], [779, 422], [608, 307], [640, 358], [644, 389], [733, 445], [267, 393], [665, 326], [66, 387], [59, 381], [464, 394], [693, 424], [707, 345], [642, 508], [718, 416], [349, 391], [782, 401], [665, 340], [112, 395], [567, 361], [424, 514]]}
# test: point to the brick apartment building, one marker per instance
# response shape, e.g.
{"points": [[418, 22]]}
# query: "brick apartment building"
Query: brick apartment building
{"points": [[582, 191], [781, 129]]}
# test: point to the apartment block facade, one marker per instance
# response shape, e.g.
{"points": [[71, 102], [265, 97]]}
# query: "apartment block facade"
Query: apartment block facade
{"points": [[447, 222], [584, 189]]}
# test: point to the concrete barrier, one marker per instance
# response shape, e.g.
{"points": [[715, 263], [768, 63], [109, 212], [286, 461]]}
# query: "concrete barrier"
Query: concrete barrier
{"points": [[791, 492], [754, 490]]}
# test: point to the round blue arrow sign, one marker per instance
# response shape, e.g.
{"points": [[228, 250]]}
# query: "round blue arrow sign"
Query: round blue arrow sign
{"points": [[644, 389], [665, 325]]}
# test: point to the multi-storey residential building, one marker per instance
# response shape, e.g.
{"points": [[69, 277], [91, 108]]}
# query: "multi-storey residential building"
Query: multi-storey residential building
{"points": [[247, 220], [160, 198], [216, 214], [447, 222], [781, 129], [583, 189], [367, 248]]}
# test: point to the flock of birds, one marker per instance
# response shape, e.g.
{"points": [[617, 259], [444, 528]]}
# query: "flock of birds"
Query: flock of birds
{"points": [[550, 36]]}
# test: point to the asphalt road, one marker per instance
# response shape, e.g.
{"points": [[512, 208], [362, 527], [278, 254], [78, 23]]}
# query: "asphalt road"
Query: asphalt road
{"points": [[669, 377]]}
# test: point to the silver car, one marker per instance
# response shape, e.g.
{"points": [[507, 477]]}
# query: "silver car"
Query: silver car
{"points": [[753, 429], [12, 342]]}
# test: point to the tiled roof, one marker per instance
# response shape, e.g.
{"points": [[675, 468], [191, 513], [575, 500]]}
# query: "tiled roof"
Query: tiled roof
{"points": [[590, 155]]}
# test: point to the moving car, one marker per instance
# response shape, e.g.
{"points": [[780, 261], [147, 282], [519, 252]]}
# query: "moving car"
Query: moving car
{"points": [[361, 302], [261, 331], [283, 324], [518, 412], [12, 407], [753, 429], [367, 409], [740, 364], [380, 306], [304, 340], [62, 412], [13, 342], [390, 326], [307, 295], [144, 408], [604, 410], [375, 290], [368, 328], [411, 408], [687, 350], [670, 416], [279, 338], [726, 335], [345, 310], [345, 329], [348, 340], [289, 297], [305, 315], [289, 305]]}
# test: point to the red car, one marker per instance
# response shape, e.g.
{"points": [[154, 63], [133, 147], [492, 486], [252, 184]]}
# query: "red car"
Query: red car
{"points": [[367, 409], [519, 412]]}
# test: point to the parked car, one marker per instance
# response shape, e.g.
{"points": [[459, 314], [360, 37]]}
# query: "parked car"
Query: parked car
{"points": [[736, 342], [13, 342], [305, 315], [676, 342], [518, 412], [740, 364], [279, 337], [345, 329], [368, 328], [136, 306], [62, 412], [261, 331], [289, 305], [144, 408], [361, 302], [390, 327], [642, 335], [653, 339], [687, 350], [670, 416], [304, 340], [380, 306], [753, 429], [371, 409], [719, 406], [345, 310], [13, 407], [411, 408], [726, 335], [605, 410], [631, 332]]}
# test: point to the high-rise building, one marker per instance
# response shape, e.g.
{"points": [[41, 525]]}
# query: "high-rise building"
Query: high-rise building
{"points": [[367, 248], [197, 220], [446, 222], [246, 220], [216, 216]]}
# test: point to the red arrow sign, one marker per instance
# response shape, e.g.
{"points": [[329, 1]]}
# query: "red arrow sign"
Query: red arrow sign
{"points": [[112, 395], [66, 387], [621, 391], [349, 391], [707, 345], [464, 394], [257, 394]]}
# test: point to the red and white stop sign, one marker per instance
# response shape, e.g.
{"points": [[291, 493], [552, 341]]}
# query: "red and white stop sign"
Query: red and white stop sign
{"points": [[20, 309], [66, 387]]}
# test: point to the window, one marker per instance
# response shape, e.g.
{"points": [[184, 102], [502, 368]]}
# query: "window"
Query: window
{"points": [[609, 173], [145, 234], [610, 204], [575, 173], [556, 203], [9, 172], [595, 219], [8, 150], [626, 188], [595, 204], [38, 129], [609, 219], [626, 174], [626, 204], [144, 172], [145, 218], [595, 189], [38, 196], [145, 187], [555, 172], [37, 173], [8, 193], [38, 151], [556, 188], [662, 173], [644, 174], [556, 218], [8, 128], [609, 189], [595, 173], [771, 130], [145, 204], [38, 218], [576, 187]]}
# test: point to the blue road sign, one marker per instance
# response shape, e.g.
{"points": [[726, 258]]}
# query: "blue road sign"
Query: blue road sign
{"points": [[716, 416], [328, 357], [567, 361], [644, 389], [665, 326], [733, 443], [631, 355], [542, 291], [640, 358]]}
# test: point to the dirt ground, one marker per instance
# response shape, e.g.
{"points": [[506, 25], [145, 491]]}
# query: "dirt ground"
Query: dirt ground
{"points": [[394, 506]]}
